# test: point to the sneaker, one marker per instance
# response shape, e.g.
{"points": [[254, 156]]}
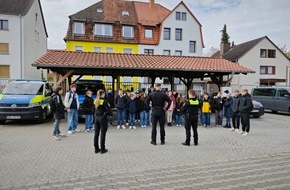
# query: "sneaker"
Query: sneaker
{"points": [[241, 132], [56, 138], [93, 129], [118, 127], [87, 130], [237, 130], [77, 130], [127, 124], [123, 127], [134, 127], [245, 134], [62, 135], [130, 127], [232, 129], [70, 132]]}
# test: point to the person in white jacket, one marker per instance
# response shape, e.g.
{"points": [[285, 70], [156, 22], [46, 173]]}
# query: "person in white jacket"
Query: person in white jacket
{"points": [[71, 103]]}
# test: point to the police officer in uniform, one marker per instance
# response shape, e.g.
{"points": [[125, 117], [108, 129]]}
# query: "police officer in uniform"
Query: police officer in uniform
{"points": [[158, 99], [103, 111], [190, 111]]}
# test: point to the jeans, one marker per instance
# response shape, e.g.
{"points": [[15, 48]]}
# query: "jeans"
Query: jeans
{"points": [[132, 119], [121, 116], [218, 117], [89, 121], [228, 121], [150, 117], [56, 130], [206, 119], [178, 119], [72, 121], [201, 118], [169, 116], [143, 118], [236, 120]]}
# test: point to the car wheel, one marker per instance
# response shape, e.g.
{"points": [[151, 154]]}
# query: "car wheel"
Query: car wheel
{"points": [[273, 111], [2, 122], [42, 116]]}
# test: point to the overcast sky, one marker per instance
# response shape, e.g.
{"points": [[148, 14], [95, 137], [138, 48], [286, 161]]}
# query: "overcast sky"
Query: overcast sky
{"points": [[245, 19]]}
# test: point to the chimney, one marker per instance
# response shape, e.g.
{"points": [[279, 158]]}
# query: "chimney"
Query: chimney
{"points": [[151, 4], [224, 48]]}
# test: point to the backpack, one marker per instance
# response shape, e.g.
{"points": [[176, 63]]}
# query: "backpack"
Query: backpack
{"points": [[52, 104]]}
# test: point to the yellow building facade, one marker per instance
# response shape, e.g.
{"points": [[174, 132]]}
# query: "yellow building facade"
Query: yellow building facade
{"points": [[106, 48]]}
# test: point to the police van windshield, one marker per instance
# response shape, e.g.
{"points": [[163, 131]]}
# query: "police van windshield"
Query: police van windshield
{"points": [[23, 89]]}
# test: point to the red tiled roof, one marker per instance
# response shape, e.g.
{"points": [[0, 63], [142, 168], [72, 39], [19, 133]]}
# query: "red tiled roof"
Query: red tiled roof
{"points": [[70, 59], [150, 17]]}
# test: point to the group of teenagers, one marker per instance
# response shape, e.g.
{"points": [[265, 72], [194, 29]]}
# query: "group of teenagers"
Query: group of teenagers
{"points": [[156, 105]]}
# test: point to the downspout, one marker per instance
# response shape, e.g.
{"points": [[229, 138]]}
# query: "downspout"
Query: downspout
{"points": [[21, 48]]}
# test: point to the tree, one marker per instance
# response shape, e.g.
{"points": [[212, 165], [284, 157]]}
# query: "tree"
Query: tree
{"points": [[285, 51], [225, 37]]}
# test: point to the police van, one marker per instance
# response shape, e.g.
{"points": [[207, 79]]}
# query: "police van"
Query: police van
{"points": [[25, 100]]}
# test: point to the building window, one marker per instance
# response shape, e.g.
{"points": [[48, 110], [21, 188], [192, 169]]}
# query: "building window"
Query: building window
{"points": [[98, 49], [3, 24], [268, 70], [149, 51], [192, 46], [103, 30], [166, 33], [183, 16], [178, 34], [178, 52], [271, 53], [267, 53], [79, 28], [4, 48], [4, 71], [177, 15], [79, 48], [127, 50], [109, 50], [148, 33], [128, 32], [166, 52]]}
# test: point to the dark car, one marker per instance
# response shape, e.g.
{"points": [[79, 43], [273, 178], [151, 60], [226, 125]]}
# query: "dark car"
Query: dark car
{"points": [[258, 109], [83, 86]]}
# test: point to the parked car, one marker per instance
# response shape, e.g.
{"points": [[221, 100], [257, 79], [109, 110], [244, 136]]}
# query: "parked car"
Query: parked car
{"points": [[25, 100], [273, 98], [83, 86], [258, 109]]}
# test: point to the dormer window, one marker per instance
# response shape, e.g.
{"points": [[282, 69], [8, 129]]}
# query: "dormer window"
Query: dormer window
{"points": [[79, 28], [128, 32], [103, 29], [125, 13], [99, 10], [148, 33]]}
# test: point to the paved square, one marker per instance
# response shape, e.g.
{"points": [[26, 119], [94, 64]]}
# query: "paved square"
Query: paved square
{"points": [[30, 159]]}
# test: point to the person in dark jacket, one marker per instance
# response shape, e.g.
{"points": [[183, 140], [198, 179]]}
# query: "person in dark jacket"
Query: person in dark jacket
{"points": [[190, 109], [88, 107], [228, 110], [132, 108], [58, 112], [245, 107], [235, 109], [178, 113], [137, 115], [218, 106], [127, 114], [111, 98], [121, 104], [143, 110], [158, 99], [103, 111]]}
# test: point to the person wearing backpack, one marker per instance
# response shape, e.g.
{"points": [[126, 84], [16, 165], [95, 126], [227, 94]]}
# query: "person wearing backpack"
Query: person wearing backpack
{"points": [[72, 105], [245, 107], [57, 109]]}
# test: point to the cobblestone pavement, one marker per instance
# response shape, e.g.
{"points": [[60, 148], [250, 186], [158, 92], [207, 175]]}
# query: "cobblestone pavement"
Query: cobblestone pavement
{"points": [[30, 159]]}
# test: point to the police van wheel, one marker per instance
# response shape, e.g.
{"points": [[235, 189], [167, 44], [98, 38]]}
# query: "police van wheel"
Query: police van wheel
{"points": [[2, 122], [43, 116]]}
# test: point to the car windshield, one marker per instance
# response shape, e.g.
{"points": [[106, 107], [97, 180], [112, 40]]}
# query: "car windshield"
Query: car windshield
{"points": [[23, 89]]}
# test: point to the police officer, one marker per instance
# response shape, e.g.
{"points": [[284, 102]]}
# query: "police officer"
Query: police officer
{"points": [[190, 111], [158, 99], [103, 111]]}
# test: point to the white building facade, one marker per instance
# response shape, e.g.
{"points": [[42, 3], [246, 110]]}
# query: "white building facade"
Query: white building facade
{"points": [[23, 39]]}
